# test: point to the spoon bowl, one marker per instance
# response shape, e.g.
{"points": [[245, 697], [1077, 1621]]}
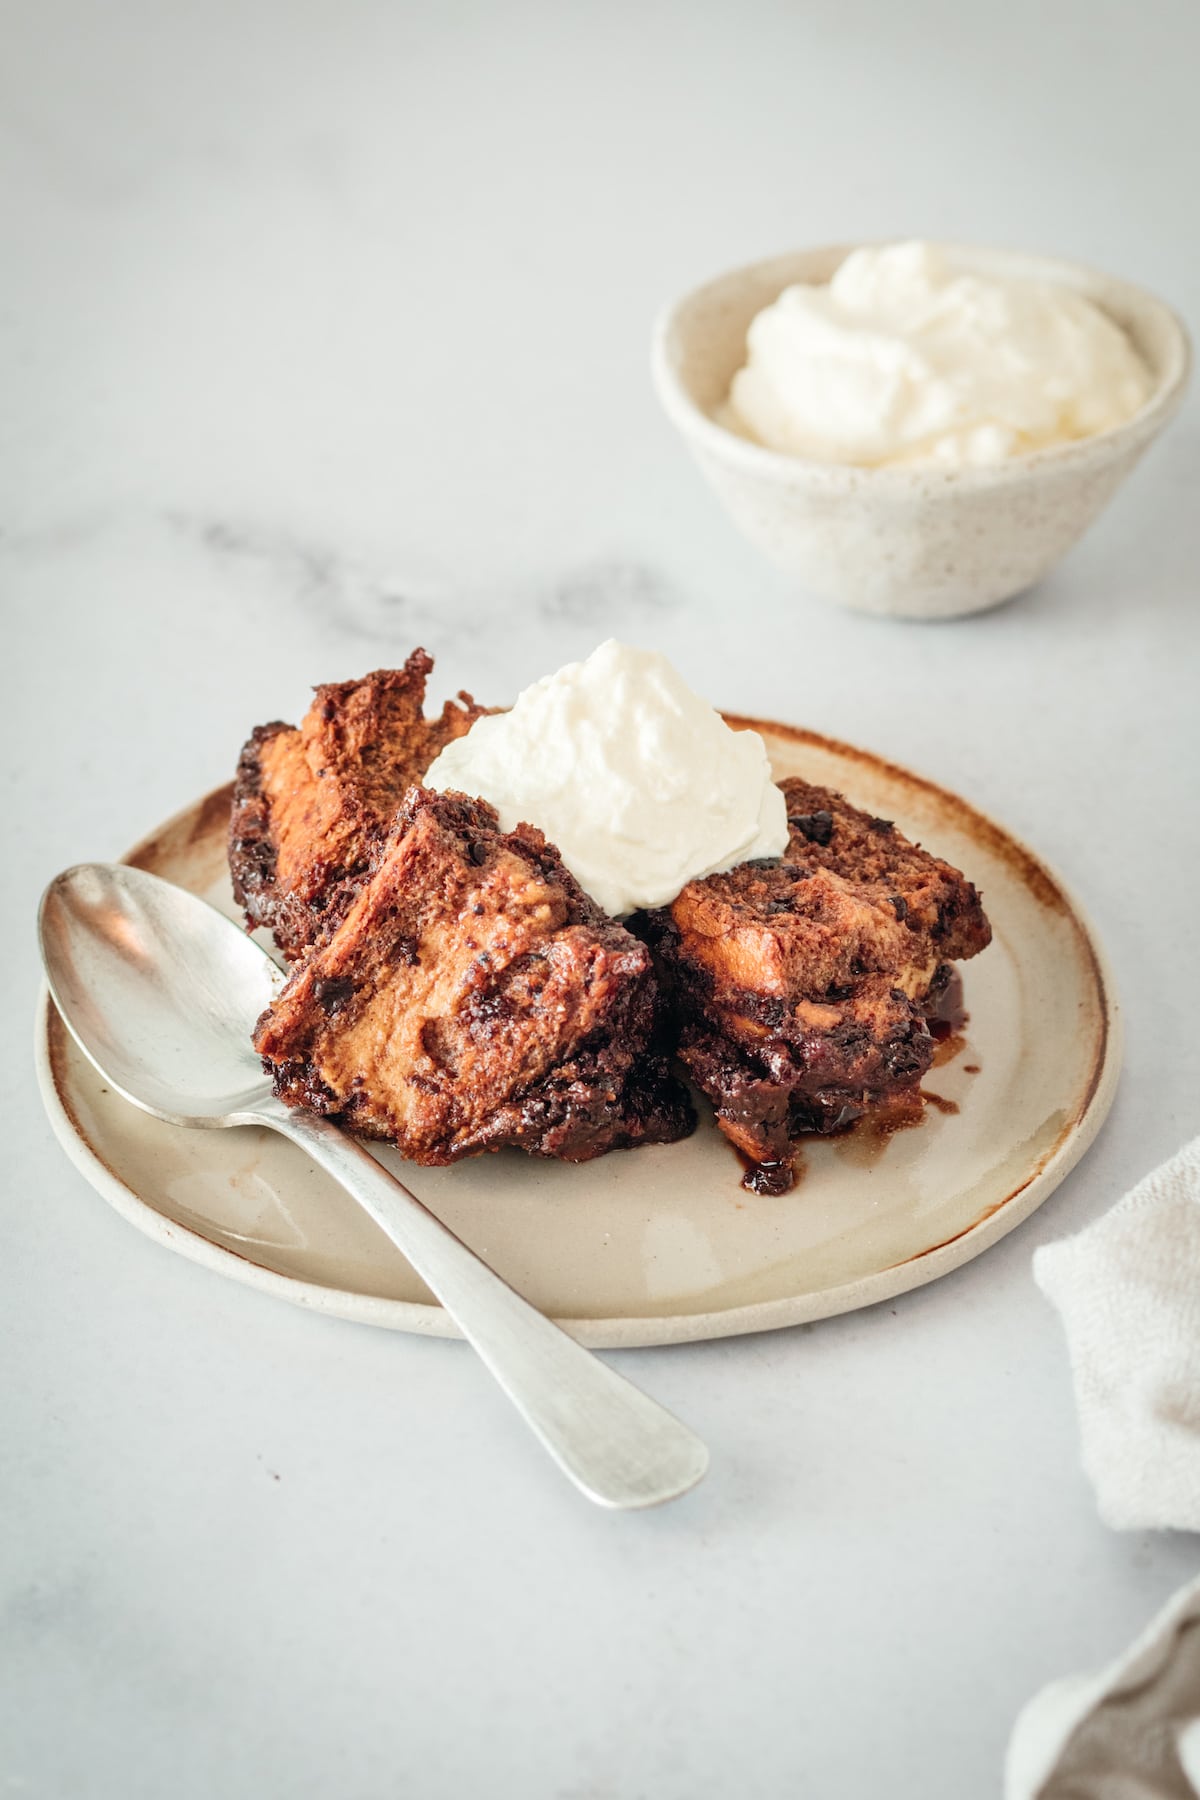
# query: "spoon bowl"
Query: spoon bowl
{"points": [[160, 991]]}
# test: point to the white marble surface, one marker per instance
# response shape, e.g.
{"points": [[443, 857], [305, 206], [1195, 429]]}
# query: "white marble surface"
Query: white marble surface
{"points": [[324, 332]]}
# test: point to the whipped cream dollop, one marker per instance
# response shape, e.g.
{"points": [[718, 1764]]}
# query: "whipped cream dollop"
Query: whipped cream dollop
{"points": [[642, 786], [903, 357]]}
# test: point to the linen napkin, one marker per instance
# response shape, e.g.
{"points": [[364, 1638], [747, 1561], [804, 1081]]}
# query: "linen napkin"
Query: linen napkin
{"points": [[1128, 1290], [1132, 1732]]}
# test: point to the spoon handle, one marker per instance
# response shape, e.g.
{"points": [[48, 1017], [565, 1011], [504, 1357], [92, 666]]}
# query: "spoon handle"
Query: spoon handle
{"points": [[616, 1444]]}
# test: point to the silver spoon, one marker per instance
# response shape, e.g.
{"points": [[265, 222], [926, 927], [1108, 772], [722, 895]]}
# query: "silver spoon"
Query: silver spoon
{"points": [[161, 993]]}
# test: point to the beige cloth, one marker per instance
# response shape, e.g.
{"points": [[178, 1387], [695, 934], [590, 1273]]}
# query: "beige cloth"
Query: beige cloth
{"points": [[1131, 1732], [1128, 1290]]}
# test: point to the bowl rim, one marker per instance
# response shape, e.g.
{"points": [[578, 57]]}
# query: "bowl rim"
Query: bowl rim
{"points": [[783, 468]]}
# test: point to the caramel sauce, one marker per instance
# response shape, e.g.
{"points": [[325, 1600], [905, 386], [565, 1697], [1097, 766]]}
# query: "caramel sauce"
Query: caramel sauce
{"points": [[947, 1020], [865, 1141], [939, 1100], [947, 1017], [946, 1048]]}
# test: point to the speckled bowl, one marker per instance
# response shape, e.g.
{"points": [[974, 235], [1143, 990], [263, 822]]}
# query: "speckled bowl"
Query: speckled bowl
{"points": [[915, 543]]}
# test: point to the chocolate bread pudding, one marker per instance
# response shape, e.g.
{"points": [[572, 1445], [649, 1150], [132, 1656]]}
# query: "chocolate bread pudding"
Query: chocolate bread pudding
{"points": [[455, 989], [801, 986], [472, 996], [311, 806]]}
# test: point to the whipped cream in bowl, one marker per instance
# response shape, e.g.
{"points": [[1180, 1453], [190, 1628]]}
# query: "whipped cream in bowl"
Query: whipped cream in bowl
{"points": [[903, 357], [639, 782], [913, 429]]}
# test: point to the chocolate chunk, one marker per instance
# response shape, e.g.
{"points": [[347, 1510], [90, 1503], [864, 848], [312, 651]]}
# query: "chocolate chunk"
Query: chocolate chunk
{"points": [[817, 827], [332, 993], [883, 826], [900, 904]]}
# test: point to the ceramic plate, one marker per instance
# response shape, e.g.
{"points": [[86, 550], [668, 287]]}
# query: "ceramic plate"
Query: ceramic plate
{"points": [[662, 1245]]}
